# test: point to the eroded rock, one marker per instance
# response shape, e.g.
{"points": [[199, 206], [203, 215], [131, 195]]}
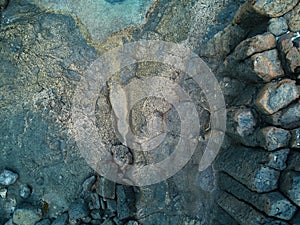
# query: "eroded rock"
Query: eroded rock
{"points": [[274, 8], [277, 95]]}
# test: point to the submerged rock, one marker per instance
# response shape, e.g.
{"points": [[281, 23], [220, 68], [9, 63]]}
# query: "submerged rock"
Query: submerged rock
{"points": [[26, 216], [8, 177]]}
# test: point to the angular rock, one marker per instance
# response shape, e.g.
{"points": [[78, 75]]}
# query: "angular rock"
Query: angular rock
{"points": [[243, 213], [277, 95], [105, 188], [293, 18], [222, 217], [122, 155], [289, 53], [253, 45], [295, 142], [273, 203], [44, 222], [241, 122], [26, 216], [272, 138], [108, 222], [78, 210], [274, 8], [3, 192], [126, 202], [288, 118], [277, 159], [249, 167], [87, 185], [264, 66], [25, 191], [93, 201], [294, 161], [61, 220], [95, 214], [290, 185], [8, 177], [278, 26], [225, 41]]}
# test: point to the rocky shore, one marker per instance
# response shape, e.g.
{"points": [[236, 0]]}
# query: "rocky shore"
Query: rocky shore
{"points": [[256, 58]]}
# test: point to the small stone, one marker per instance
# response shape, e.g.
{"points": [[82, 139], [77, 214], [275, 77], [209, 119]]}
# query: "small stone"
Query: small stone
{"points": [[44, 222], [241, 122], [106, 188], [277, 95], [290, 186], [93, 201], [277, 159], [8, 177], [293, 18], [289, 53], [278, 26], [122, 155], [274, 8], [272, 138], [288, 118], [61, 220], [86, 220], [3, 192], [95, 214], [78, 210], [25, 191], [295, 143], [26, 216]]}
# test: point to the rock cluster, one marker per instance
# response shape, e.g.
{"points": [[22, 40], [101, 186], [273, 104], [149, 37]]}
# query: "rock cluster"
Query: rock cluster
{"points": [[259, 171]]}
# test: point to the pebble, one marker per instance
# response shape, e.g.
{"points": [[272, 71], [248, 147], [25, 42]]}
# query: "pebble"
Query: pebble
{"points": [[78, 210], [8, 177], [26, 216], [3, 192], [25, 191]]}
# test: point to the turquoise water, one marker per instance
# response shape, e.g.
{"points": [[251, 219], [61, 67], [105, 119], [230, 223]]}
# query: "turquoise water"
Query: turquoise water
{"points": [[102, 17]]}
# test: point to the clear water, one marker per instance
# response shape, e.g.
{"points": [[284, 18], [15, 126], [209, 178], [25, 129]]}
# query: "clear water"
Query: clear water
{"points": [[102, 17]]}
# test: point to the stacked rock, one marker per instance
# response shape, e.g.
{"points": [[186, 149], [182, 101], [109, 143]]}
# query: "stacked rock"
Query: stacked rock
{"points": [[259, 174]]}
